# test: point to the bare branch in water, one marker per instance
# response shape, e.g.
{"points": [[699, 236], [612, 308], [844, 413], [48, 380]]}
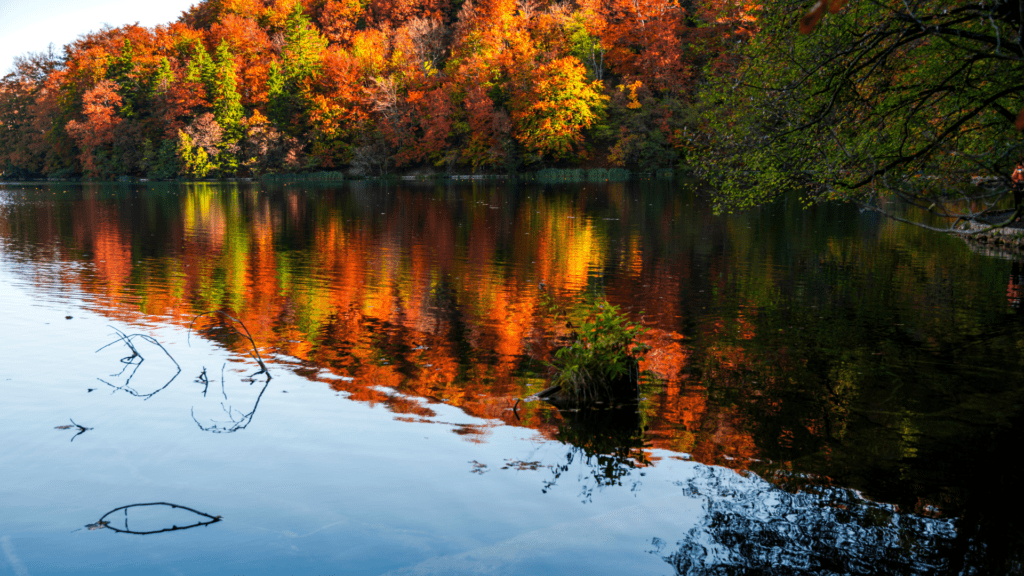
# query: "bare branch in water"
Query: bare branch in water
{"points": [[81, 429], [235, 423], [126, 339], [255, 351], [104, 523], [202, 379]]}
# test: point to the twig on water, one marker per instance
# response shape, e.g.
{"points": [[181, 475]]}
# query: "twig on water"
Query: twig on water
{"points": [[255, 354], [202, 379], [237, 423], [81, 429], [104, 523], [126, 339]]}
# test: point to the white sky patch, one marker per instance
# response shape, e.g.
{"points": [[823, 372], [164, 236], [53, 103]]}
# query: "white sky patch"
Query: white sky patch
{"points": [[32, 26]]}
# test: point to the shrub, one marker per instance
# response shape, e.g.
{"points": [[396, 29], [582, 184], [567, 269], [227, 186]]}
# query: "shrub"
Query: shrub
{"points": [[602, 358]]}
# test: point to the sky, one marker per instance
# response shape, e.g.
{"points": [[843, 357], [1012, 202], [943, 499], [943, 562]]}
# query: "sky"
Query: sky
{"points": [[31, 25]]}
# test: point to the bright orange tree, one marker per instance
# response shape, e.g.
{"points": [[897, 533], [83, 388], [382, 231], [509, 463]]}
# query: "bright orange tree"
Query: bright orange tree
{"points": [[486, 84]]}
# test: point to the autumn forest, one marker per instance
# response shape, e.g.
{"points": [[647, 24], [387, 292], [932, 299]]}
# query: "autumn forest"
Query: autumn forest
{"points": [[250, 87]]}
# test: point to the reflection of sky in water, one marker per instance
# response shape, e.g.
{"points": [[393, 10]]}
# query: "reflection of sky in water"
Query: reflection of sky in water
{"points": [[318, 483], [339, 473]]}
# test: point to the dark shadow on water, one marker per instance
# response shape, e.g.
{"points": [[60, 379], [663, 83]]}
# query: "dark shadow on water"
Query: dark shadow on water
{"points": [[753, 527], [607, 442]]}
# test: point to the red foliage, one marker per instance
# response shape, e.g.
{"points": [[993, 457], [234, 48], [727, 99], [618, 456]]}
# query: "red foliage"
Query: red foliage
{"points": [[96, 129]]}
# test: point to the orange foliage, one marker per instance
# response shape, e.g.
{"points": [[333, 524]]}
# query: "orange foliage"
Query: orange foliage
{"points": [[99, 108], [483, 82], [645, 40], [250, 45]]}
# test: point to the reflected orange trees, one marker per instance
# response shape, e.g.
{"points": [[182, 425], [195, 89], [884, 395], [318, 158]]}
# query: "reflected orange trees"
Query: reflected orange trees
{"points": [[772, 342], [431, 293]]}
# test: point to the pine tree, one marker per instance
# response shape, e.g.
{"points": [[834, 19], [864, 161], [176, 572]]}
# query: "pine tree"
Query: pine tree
{"points": [[162, 78], [277, 101], [227, 102], [200, 67], [303, 48], [122, 69]]}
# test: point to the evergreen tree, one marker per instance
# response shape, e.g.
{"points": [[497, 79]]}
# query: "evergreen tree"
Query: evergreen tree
{"points": [[288, 83], [227, 102], [303, 47], [200, 67], [276, 98], [162, 78], [122, 69]]}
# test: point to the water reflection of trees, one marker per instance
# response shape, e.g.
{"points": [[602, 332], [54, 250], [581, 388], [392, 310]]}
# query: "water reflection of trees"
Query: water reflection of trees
{"points": [[752, 527], [872, 408], [816, 342], [608, 444]]}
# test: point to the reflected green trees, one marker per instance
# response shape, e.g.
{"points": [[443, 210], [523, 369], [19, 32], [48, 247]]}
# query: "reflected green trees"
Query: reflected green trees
{"points": [[812, 346]]}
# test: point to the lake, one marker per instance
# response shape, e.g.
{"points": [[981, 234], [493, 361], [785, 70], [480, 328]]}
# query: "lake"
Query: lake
{"points": [[835, 393]]}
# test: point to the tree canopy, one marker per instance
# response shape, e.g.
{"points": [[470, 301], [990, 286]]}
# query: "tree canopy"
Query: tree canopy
{"points": [[243, 87], [914, 101]]}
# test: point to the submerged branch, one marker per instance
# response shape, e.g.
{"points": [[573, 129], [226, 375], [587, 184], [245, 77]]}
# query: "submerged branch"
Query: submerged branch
{"points": [[104, 523], [81, 429], [255, 354], [236, 423], [126, 339]]}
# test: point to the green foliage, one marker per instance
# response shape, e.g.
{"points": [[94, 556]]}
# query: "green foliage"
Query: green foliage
{"points": [[323, 176], [227, 102], [585, 46], [162, 78], [650, 133], [552, 175], [883, 100], [200, 67], [122, 69], [160, 163], [303, 46], [193, 160], [601, 360]]}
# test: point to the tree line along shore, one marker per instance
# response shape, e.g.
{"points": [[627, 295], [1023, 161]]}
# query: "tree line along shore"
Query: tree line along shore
{"points": [[243, 88]]}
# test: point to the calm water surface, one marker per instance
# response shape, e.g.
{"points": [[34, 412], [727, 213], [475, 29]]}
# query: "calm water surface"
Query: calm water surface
{"points": [[837, 393]]}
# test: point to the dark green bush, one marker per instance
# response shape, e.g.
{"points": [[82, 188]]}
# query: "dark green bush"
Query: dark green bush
{"points": [[601, 360]]}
